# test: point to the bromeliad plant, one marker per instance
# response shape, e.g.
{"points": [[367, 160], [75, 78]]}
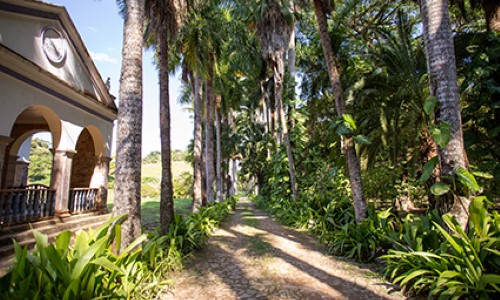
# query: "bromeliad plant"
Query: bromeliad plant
{"points": [[464, 266]]}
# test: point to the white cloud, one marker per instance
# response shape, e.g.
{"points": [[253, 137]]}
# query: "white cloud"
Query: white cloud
{"points": [[103, 57], [91, 28]]}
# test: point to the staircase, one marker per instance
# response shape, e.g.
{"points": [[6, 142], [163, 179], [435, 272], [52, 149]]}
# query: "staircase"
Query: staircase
{"points": [[23, 233]]}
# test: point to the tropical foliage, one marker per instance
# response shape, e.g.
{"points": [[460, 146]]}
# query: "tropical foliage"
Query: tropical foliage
{"points": [[92, 265]]}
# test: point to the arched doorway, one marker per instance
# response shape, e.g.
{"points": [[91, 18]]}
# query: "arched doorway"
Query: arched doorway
{"points": [[21, 201], [32, 120], [88, 185]]}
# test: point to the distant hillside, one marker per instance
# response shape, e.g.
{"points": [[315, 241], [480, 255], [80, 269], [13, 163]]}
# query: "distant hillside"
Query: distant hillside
{"points": [[154, 170]]}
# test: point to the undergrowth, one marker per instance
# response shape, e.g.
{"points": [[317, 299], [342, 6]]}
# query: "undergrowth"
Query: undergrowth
{"points": [[424, 254], [91, 267]]}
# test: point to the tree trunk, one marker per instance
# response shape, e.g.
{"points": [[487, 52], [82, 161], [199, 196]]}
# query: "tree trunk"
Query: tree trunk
{"points": [[129, 131], [218, 166], [272, 118], [265, 114], [443, 84], [348, 144], [279, 70], [197, 178], [167, 193], [209, 126], [492, 13], [292, 72]]}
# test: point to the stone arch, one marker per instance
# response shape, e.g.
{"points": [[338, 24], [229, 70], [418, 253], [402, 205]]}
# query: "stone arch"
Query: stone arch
{"points": [[99, 143], [34, 119], [84, 160], [31, 120]]}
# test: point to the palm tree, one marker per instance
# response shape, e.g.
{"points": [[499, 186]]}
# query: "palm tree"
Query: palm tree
{"points": [[201, 42], [209, 131], [129, 132], [197, 180], [444, 86], [164, 18], [492, 14], [274, 30], [348, 143]]}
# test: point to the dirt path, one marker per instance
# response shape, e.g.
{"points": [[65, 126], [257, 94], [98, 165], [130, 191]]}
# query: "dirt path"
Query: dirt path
{"points": [[253, 257]]}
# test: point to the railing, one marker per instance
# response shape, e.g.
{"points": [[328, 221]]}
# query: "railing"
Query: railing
{"points": [[82, 199], [26, 205]]}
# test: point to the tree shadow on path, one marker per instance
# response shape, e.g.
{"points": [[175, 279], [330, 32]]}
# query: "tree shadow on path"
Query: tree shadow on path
{"points": [[306, 282]]}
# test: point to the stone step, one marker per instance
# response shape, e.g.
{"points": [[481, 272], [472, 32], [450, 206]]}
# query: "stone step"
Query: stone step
{"points": [[23, 231], [25, 237]]}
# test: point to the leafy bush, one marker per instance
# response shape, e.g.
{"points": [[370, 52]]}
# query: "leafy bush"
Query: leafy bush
{"points": [[150, 187], [465, 265], [87, 269], [183, 185], [363, 241]]}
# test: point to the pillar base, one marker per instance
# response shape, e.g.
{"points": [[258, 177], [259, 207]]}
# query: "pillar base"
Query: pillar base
{"points": [[62, 214]]}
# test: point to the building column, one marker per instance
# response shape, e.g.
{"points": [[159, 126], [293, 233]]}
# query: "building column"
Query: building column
{"points": [[4, 141], [10, 171], [100, 181], [61, 177]]}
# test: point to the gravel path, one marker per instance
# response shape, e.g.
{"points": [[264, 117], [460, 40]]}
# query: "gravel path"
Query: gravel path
{"points": [[253, 257]]}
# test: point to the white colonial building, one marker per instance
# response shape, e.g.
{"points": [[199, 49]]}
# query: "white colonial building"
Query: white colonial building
{"points": [[49, 83]]}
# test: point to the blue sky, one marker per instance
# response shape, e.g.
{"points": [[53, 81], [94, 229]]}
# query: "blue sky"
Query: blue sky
{"points": [[101, 29]]}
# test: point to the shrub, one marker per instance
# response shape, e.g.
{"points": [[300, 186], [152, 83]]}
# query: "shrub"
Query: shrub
{"points": [[183, 185], [150, 187], [363, 241]]}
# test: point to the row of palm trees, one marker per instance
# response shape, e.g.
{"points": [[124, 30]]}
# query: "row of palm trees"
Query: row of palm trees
{"points": [[216, 43]]}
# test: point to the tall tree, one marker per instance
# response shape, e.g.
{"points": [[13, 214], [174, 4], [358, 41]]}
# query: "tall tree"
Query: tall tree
{"points": [[218, 142], [197, 180], [348, 143], [164, 18], [274, 29], [492, 14], [444, 86], [129, 132], [202, 41]]}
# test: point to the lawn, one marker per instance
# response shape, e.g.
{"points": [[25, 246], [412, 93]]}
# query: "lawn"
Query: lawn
{"points": [[150, 208]]}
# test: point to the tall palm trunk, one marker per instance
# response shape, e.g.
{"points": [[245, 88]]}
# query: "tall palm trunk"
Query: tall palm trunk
{"points": [[492, 12], [292, 72], [348, 144], [166, 194], [204, 151], [129, 132], [279, 70], [443, 84], [197, 180], [218, 162], [209, 125]]}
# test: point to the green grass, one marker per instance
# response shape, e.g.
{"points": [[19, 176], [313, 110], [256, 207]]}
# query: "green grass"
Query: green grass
{"points": [[150, 208]]}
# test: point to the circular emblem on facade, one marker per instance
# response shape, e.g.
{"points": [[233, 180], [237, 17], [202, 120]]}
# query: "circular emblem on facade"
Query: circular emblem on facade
{"points": [[53, 45]]}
